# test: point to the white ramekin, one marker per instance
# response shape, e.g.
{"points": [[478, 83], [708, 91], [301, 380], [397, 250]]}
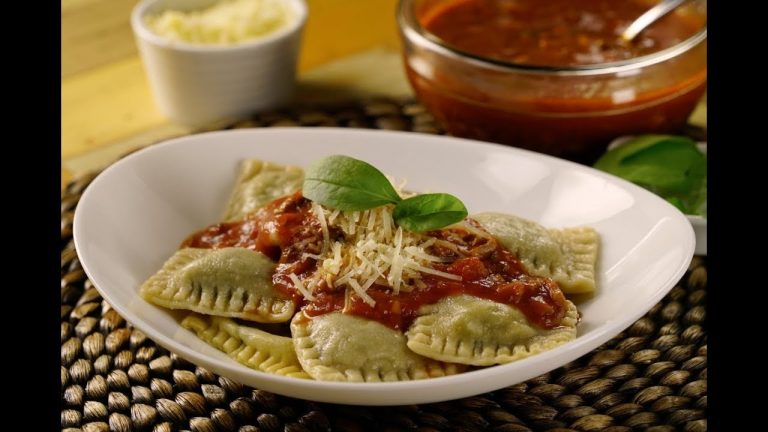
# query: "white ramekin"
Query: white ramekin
{"points": [[197, 85]]}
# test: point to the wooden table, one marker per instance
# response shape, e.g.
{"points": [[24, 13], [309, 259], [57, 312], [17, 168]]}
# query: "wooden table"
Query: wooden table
{"points": [[107, 107]]}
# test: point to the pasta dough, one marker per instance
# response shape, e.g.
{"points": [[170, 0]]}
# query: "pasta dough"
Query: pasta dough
{"points": [[341, 347], [568, 256], [469, 330], [250, 346], [231, 282], [259, 183]]}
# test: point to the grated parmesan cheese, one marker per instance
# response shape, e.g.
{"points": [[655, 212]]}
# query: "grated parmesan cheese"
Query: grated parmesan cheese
{"points": [[300, 286], [225, 22], [374, 251], [320, 215]]}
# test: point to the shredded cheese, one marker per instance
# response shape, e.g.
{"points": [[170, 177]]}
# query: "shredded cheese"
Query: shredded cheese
{"points": [[320, 215], [369, 248], [374, 250], [300, 286], [226, 22]]}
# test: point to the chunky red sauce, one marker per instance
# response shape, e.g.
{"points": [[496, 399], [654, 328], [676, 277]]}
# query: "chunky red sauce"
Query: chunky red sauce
{"points": [[565, 115], [286, 229], [553, 32], [498, 277], [283, 227]]}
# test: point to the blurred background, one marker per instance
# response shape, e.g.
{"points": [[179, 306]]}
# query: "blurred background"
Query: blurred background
{"points": [[107, 107]]}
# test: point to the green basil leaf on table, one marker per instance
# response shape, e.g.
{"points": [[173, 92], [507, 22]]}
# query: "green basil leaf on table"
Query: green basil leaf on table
{"points": [[346, 183], [429, 211], [700, 204], [670, 166]]}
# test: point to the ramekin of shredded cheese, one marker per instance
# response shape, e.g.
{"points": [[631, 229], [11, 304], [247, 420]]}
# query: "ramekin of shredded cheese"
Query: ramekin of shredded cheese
{"points": [[210, 61], [225, 22]]}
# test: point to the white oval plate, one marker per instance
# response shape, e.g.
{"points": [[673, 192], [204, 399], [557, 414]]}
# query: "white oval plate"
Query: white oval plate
{"points": [[136, 213]]}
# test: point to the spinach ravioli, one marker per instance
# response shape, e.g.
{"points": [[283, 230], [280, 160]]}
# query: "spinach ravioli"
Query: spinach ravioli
{"points": [[469, 330], [342, 347], [287, 286], [248, 345], [568, 256], [230, 282]]}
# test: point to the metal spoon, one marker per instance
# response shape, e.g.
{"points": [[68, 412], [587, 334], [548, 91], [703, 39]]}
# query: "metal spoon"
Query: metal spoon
{"points": [[649, 17]]}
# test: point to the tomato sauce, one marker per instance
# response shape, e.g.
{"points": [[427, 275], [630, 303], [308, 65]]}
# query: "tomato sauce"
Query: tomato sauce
{"points": [[282, 227], [553, 32], [286, 229], [564, 115], [498, 277]]}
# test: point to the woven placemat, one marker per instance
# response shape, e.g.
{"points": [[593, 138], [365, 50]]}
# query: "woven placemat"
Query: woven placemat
{"points": [[653, 376]]}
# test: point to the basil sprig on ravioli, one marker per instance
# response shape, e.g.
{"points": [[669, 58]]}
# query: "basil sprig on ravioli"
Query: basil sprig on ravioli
{"points": [[345, 183]]}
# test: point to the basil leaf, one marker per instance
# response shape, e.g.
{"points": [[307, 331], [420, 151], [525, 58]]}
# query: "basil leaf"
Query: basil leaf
{"points": [[349, 184], [429, 211], [345, 183], [699, 204], [667, 165], [673, 165]]}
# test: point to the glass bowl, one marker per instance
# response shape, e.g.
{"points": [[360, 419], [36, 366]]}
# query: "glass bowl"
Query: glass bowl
{"points": [[569, 111]]}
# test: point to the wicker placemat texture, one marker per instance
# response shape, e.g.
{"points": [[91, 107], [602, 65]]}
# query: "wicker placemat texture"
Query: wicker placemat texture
{"points": [[653, 376]]}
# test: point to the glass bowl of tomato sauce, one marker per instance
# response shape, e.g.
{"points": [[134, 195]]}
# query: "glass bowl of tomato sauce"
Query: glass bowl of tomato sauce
{"points": [[553, 76]]}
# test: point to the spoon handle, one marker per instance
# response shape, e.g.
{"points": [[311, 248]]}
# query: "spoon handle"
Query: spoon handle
{"points": [[649, 17]]}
